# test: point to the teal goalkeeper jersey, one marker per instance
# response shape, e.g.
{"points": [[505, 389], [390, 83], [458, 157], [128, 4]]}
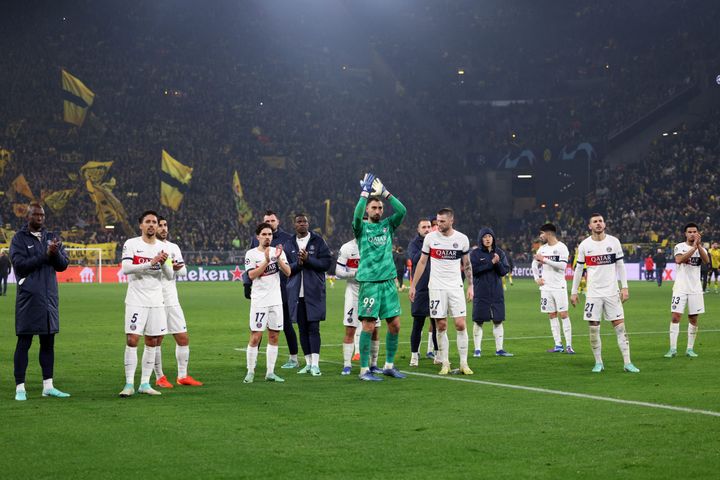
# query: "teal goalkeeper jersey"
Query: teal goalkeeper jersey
{"points": [[375, 242]]}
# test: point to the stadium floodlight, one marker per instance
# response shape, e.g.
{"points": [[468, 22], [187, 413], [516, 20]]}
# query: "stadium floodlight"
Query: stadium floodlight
{"points": [[524, 176], [109, 227], [665, 134], [461, 71]]}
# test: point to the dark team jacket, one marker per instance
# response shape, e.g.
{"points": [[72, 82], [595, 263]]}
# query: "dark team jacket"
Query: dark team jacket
{"points": [[312, 273], [36, 302], [421, 306], [489, 299], [279, 238]]}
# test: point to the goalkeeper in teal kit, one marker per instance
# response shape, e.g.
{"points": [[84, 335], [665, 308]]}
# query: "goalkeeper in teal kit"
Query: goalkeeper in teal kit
{"points": [[377, 297]]}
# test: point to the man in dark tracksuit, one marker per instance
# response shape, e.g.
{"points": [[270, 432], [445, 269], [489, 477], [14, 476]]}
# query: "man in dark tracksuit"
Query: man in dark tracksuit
{"points": [[4, 272], [420, 308], [279, 238], [489, 265], [660, 264], [309, 258], [36, 255]]}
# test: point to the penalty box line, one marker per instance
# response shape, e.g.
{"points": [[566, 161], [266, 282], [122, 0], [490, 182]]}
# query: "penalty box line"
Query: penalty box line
{"points": [[584, 396]]}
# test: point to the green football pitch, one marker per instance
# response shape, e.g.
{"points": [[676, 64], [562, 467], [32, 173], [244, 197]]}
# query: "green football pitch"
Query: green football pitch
{"points": [[536, 415]]}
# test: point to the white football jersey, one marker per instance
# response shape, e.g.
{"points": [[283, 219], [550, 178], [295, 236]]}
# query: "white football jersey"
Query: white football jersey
{"points": [[600, 258], [687, 275], [265, 288], [169, 284], [144, 288], [349, 259], [445, 259], [554, 279]]}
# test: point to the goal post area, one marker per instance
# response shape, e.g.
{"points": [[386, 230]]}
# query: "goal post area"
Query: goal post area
{"points": [[86, 265]]}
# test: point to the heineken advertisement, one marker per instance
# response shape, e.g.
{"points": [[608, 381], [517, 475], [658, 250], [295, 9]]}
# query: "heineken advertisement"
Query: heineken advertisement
{"points": [[213, 273], [114, 274]]}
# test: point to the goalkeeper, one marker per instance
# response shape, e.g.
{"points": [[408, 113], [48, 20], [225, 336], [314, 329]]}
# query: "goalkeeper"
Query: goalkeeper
{"points": [[377, 296]]}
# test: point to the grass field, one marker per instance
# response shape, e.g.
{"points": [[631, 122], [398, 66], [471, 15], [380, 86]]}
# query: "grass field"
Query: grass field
{"points": [[338, 427]]}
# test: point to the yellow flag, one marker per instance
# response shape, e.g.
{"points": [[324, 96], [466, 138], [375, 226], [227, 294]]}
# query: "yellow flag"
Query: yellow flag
{"points": [[329, 220], [57, 200], [95, 171], [77, 99], [5, 158], [108, 208], [20, 185], [174, 180], [244, 212]]}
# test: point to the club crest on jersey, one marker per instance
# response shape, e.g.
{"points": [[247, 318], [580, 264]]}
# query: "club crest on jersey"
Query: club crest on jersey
{"points": [[434, 312], [588, 315], [608, 249], [133, 327], [455, 245], [258, 324]]}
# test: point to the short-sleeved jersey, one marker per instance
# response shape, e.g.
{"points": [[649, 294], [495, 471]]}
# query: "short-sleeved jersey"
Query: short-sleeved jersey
{"points": [[554, 279], [599, 259], [169, 287], [445, 254], [714, 257], [265, 288], [144, 288], [687, 275], [349, 259]]}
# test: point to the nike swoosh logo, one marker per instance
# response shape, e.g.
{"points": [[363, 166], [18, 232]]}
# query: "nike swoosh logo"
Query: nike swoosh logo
{"points": [[162, 329], [31, 246]]}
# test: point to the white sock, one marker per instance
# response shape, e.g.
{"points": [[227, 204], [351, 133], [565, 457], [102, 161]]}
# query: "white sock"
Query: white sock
{"points": [[158, 362], [555, 329], [348, 349], [130, 364], [623, 342], [47, 384], [414, 357], [388, 366], [374, 352], [596, 343], [308, 360], [148, 364], [315, 359], [443, 346], [674, 333], [251, 356], [20, 387], [271, 352], [567, 330], [356, 340], [462, 345], [692, 335], [294, 358], [430, 346], [182, 355], [477, 336], [499, 334]]}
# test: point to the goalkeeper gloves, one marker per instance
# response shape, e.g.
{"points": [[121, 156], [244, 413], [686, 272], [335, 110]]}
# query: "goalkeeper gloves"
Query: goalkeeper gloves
{"points": [[379, 189], [367, 184]]}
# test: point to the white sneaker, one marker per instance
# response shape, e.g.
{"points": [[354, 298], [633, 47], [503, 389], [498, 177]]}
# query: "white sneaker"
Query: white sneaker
{"points": [[148, 390], [414, 362], [128, 390]]}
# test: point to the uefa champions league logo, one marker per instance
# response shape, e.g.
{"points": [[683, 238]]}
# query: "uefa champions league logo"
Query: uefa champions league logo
{"points": [[717, 79]]}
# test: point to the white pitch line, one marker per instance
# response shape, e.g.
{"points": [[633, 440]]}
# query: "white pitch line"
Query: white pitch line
{"points": [[585, 396]]}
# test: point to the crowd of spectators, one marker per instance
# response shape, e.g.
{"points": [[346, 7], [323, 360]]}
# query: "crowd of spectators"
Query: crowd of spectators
{"points": [[301, 115]]}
